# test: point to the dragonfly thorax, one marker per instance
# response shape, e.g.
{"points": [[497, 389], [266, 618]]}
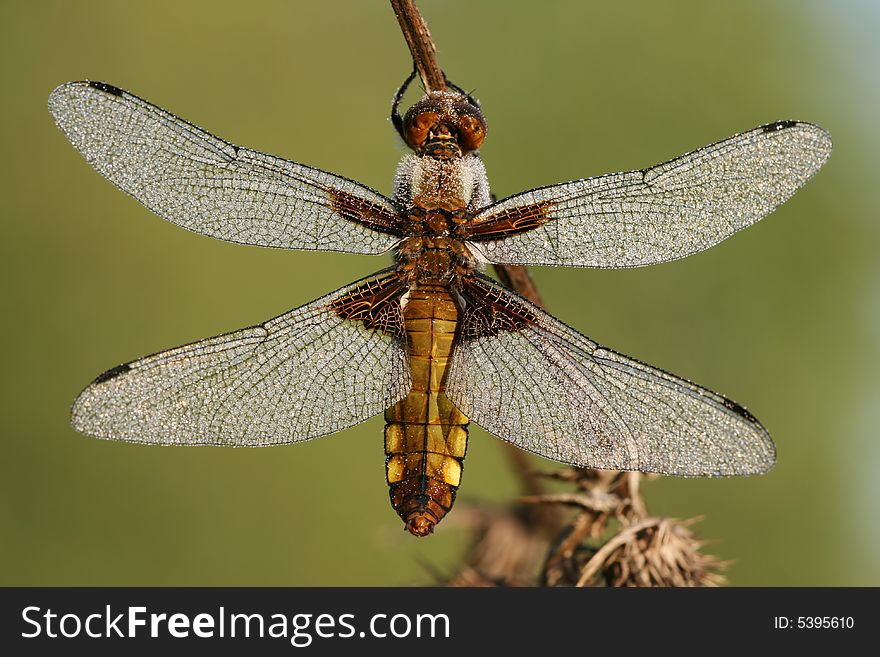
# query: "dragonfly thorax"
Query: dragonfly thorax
{"points": [[439, 260], [424, 184]]}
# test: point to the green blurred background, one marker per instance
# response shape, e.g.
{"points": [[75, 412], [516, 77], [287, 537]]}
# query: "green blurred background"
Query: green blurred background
{"points": [[784, 317]]}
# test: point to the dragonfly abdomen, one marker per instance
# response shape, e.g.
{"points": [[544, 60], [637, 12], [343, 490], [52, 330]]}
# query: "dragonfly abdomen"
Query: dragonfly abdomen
{"points": [[425, 434]]}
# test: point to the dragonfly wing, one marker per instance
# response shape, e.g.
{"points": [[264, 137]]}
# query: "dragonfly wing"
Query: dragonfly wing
{"points": [[654, 215], [533, 381], [315, 370], [209, 186]]}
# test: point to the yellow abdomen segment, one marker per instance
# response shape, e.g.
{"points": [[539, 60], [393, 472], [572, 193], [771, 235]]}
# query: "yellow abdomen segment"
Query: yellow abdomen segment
{"points": [[425, 434]]}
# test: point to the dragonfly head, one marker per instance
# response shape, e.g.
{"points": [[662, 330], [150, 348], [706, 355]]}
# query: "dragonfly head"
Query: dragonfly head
{"points": [[444, 124]]}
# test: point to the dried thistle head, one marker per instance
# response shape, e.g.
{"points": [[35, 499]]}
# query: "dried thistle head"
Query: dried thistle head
{"points": [[609, 540], [653, 552]]}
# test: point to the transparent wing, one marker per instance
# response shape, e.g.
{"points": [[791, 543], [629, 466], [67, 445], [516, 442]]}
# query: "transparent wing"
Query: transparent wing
{"points": [[301, 375], [549, 390], [211, 187], [658, 214]]}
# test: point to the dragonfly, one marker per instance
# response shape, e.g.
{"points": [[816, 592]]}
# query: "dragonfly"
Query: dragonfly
{"points": [[431, 341]]}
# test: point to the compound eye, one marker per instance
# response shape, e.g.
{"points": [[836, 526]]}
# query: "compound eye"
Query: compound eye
{"points": [[418, 127], [471, 132]]}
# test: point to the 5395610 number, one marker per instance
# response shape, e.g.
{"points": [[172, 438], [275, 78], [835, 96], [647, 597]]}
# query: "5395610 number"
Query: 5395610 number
{"points": [[814, 622]]}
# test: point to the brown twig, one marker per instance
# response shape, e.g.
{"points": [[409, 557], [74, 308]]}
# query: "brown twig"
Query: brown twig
{"points": [[590, 569], [518, 278], [606, 504], [421, 45]]}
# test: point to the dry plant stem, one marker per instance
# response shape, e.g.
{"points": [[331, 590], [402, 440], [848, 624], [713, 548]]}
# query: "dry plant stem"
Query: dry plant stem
{"points": [[531, 482], [560, 563], [629, 490], [595, 504], [518, 278], [598, 559], [421, 45]]}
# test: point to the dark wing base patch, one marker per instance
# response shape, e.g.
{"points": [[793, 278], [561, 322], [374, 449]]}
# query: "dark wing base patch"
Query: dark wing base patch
{"points": [[489, 312], [365, 212], [376, 303], [508, 222]]}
